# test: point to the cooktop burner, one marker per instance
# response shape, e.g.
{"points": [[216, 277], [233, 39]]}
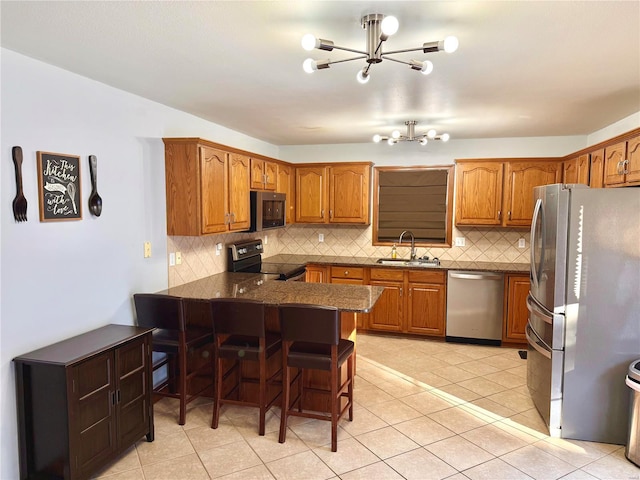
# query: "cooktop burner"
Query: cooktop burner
{"points": [[247, 257]]}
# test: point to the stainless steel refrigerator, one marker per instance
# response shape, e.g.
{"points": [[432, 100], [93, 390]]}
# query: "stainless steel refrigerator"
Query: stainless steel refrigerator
{"points": [[584, 309]]}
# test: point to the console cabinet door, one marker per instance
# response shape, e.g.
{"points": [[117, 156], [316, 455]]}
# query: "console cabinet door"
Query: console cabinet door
{"points": [[286, 184], [614, 157], [426, 308], [93, 435], [214, 188], [316, 274], [596, 169], [239, 215]]}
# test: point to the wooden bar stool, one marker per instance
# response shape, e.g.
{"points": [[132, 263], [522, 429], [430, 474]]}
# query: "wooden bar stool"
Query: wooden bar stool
{"points": [[311, 340], [240, 335], [171, 336]]}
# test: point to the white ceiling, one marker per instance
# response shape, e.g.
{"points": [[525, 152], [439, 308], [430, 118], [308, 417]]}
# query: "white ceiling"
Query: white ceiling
{"points": [[524, 68]]}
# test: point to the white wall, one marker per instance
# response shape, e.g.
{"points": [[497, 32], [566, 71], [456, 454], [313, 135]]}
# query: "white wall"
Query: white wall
{"points": [[60, 279]]}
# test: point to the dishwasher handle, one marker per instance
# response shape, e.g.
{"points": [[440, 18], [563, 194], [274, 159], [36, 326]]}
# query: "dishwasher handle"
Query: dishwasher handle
{"points": [[476, 276]]}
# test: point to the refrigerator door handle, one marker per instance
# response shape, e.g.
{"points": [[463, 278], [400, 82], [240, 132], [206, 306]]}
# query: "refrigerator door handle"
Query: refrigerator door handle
{"points": [[536, 267], [534, 344], [534, 309]]}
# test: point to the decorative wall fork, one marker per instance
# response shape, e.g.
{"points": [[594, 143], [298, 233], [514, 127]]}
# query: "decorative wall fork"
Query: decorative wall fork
{"points": [[20, 202]]}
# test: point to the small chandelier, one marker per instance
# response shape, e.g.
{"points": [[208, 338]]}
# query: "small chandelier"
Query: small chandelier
{"points": [[379, 27], [396, 136]]}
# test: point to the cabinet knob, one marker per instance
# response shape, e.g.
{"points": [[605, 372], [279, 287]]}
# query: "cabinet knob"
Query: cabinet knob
{"points": [[624, 166], [346, 272], [499, 214], [322, 213], [509, 214]]}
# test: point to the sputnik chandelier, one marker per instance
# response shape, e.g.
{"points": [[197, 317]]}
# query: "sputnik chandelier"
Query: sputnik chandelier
{"points": [[379, 27], [411, 136]]}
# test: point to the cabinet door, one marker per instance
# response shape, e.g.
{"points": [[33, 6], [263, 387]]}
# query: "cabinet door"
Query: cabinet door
{"points": [[285, 184], [257, 174], [576, 170], [132, 404], [239, 192], [311, 194], [270, 175], [521, 178], [214, 191], [316, 274], [516, 316], [596, 169], [633, 161], [614, 157], [388, 311], [93, 422], [426, 307], [349, 194], [361, 319], [479, 193]]}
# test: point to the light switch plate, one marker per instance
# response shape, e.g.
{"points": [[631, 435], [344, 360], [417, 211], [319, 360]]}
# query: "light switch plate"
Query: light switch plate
{"points": [[172, 259], [460, 241], [321, 237], [147, 249], [521, 243]]}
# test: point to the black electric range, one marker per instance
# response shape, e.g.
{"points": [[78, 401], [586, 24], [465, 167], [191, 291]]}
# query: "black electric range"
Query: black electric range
{"points": [[247, 257]]}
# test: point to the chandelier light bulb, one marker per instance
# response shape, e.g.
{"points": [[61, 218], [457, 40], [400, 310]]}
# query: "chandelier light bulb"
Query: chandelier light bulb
{"points": [[309, 65], [389, 25], [377, 138], [427, 67], [423, 141], [444, 137], [308, 42], [362, 77], [395, 134], [431, 133], [450, 44], [391, 141]]}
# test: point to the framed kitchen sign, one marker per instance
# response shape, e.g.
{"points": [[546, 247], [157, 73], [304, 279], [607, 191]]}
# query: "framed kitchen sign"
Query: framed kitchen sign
{"points": [[59, 187]]}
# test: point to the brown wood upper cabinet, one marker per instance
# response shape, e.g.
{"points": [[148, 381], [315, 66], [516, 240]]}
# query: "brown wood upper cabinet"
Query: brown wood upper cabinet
{"points": [[207, 188], [576, 170], [263, 174], [500, 192], [285, 183], [336, 193], [622, 163], [596, 168]]}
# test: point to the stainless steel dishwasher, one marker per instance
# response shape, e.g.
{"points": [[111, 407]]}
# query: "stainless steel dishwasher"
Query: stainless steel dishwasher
{"points": [[474, 307]]}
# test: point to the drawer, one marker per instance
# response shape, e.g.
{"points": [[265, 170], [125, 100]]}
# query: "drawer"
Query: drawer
{"points": [[347, 272], [427, 276], [394, 274]]}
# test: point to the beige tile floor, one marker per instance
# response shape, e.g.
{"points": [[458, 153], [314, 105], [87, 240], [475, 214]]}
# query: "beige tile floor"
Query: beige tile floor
{"points": [[424, 410]]}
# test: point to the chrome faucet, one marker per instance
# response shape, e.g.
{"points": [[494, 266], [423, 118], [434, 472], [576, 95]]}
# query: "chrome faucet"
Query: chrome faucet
{"points": [[413, 243]]}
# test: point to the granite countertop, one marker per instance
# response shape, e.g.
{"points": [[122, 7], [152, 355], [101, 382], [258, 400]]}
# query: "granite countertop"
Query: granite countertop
{"points": [[255, 286], [348, 261]]}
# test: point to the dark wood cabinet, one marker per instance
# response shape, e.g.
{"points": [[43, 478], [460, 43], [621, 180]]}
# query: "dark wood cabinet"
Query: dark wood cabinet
{"points": [[83, 401]]}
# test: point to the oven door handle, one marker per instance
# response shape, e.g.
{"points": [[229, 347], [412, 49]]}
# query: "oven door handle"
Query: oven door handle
{"points": [[531, 341]]}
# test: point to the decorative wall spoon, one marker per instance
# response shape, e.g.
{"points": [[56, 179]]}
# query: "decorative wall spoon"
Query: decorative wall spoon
{"points": [[95, 201]]}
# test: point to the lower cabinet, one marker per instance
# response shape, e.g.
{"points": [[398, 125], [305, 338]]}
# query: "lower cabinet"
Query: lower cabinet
{"points": [[316, 274], [414, 301], [350, 276], [83, 401], [516, 314]]}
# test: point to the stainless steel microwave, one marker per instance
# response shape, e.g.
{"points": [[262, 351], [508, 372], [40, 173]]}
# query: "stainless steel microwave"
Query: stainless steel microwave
{"points": [[268, 210]]}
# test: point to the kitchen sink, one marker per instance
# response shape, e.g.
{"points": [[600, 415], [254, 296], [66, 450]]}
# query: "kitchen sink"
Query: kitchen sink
{"points": [[418, 262]]}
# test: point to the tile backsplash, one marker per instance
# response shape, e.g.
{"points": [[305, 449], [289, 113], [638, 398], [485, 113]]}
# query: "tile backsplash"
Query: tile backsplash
{"points": [[199, 257]]}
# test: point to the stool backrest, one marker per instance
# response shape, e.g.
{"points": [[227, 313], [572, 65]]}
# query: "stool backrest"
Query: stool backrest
{"points": [[309, 323], [160, 311], [238, 317]]}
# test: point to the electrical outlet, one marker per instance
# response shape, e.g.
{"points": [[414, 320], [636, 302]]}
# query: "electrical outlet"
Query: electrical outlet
{"points": [[522, 243], [147, 249], [172, 259], [178, 258], [266, 239], [218, 249], [321, 237], [460, 241]]}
